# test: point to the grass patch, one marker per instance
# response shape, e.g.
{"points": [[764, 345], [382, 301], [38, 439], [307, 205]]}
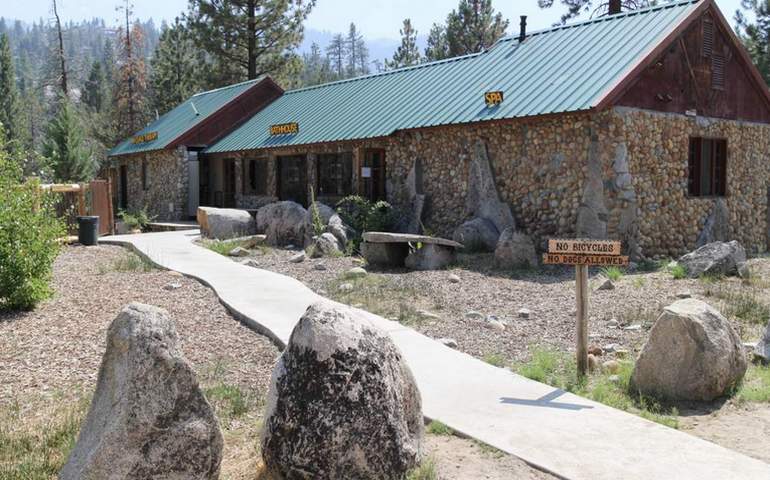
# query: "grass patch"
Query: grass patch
{"points": [[678, 272], [129, 262], [222, 247], [558, 369], [228, 400], [755, 386], [437, 428], [32, 450], [489, 449], [639, 282], [740, 304], [426, 471], [613, 273], [379, 295], [495, 359]]}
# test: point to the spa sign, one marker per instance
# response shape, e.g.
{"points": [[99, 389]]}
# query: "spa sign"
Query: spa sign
{"points": [[493, 98], [284, 129], [144, 138]]}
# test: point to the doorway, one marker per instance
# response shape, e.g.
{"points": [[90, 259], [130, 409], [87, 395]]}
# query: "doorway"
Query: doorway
{"points": [[292, 178], [372, 175], [123, 201], [228, 187]]}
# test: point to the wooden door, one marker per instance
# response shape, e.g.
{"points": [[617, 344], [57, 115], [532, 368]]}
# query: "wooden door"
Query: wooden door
{"points": [[372, 175], [228, 179], [101, 205], [123, 203], [292, 178]]}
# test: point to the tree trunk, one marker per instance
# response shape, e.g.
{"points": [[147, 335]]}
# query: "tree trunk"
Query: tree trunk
{"points": [[129, 61], [252, 39], [61, 51]]}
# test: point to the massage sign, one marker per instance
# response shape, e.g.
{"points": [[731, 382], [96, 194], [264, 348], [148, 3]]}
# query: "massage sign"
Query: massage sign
{"points": [[582, 254]]}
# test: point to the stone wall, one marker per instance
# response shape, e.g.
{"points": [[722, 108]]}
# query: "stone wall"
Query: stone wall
{"points": [[166, 193]]}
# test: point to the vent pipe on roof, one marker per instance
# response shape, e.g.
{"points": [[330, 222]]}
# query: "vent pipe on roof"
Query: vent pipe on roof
{"points": [[614, 7], [523, 32]]}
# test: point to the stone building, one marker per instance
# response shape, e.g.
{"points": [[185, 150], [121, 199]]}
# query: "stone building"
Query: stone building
{"points": [[639, 126]]}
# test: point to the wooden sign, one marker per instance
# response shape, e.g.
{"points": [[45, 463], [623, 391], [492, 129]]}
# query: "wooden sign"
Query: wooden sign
{"points": [[493, 98], [284, 129], [589, 260], [584, 247], [582, 254], [144, 138]]}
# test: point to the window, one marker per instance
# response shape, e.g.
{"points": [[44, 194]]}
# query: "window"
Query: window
{"points": [[255, 176], [335, 174], [717, 72], [708, 37], [707, 167], [144, 174]]}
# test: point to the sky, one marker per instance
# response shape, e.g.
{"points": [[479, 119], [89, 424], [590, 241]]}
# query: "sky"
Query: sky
{"points": [[376, 19]]}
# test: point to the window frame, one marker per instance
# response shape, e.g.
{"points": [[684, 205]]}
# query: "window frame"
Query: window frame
{"points": [[343, 161], [718, 163], [251, 168]]}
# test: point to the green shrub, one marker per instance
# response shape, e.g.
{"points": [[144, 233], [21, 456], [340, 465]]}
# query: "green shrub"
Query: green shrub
{"points": [[138, 219], [437, 428], [613, 273], [364, 216], [678, 271], [29, 238]]}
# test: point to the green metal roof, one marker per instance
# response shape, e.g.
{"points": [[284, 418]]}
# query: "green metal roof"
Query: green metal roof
{"points": [[182, 118], [562, 69]]}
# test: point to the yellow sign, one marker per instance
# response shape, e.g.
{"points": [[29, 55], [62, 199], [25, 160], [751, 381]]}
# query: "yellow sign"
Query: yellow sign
{"points": [[145, 137], [588, 260], [284, 129], [584, 247], [493, 98]]}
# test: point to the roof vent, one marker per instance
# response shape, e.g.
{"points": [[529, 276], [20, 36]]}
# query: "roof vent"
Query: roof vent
{"points": [[614, 7], [523, 32]]}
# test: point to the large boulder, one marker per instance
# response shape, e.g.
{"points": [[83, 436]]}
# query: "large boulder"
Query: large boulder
{"points": [[328, 221], [692, 354], [717, 258], [325, 245], [763, 347], [225, 223], [283, 223], [478, 234], [342, 404], [483, 199], [717, 226], [515, 250], [430, 256], [385, 254], [148, 417]]}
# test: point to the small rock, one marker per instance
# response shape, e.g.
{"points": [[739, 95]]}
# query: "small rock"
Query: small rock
{"points": [[610, 347], [604, 283], [525, 313], [449, 342], [633, 328], [298, 258], [744, 271], [593, 363], [495, 325], [611, 366], [290, 246], [428, 315], [595, 350], [319, 267], [684, 294], [250, 263], [614, 378], [358, 305], [175, 273], [239, 252], [172, 286], [345, 287], [621, 353], [355, 272], [473, 315], [453, 278], [613, 323]]}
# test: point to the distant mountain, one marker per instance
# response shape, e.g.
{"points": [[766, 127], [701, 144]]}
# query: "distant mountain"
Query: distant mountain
{"points": [[379, 48]]}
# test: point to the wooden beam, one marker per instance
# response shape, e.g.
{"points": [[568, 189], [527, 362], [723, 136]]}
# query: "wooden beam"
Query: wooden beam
{"points": [[581, 293]]}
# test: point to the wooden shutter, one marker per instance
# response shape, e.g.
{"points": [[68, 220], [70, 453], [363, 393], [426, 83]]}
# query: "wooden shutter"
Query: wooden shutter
{"points": [[718, 72], [708, 36]]}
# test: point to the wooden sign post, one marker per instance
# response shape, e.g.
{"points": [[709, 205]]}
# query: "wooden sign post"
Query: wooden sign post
{"points": [[582, 254]]}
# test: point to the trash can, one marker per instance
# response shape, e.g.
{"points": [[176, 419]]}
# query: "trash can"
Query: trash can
{"points": [[88, 230]]}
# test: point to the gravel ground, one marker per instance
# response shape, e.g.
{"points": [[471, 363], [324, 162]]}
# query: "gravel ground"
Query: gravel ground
{"points": [[56, 349], [621, 316]]}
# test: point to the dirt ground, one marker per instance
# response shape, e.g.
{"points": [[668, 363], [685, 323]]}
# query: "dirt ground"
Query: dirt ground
{"points": [[49, 358]]}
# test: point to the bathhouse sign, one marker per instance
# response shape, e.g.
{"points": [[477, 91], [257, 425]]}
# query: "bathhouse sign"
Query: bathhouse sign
{"points": [[284, 129], [144, 138]]}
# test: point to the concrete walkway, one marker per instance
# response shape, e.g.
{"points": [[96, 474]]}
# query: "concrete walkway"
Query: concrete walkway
{"points": [[553, 430]]}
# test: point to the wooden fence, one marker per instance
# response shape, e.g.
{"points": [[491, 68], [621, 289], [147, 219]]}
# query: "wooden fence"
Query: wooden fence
{"points": [[80, 199]]}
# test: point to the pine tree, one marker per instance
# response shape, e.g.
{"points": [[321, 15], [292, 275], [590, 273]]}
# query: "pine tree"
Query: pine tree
{"points": [[437, 47], [316, 67], [9, 97], [174, 67], [130, 90], [407, 53], [756, 35], [473, 27], [94, 91], [336, 51], [354, 44], [64, 146], [594, 7], [253, 35]]}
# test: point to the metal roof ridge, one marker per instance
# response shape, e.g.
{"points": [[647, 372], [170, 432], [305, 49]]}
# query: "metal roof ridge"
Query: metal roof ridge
{"points": [[253, 80], [391, 72], [605, 18]]}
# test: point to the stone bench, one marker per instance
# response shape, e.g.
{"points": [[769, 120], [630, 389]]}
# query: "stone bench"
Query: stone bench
{"points": [[415, 252]]}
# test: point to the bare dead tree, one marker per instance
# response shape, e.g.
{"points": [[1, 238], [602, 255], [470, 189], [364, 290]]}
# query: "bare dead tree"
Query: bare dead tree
{"points": [[62, 63]]}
